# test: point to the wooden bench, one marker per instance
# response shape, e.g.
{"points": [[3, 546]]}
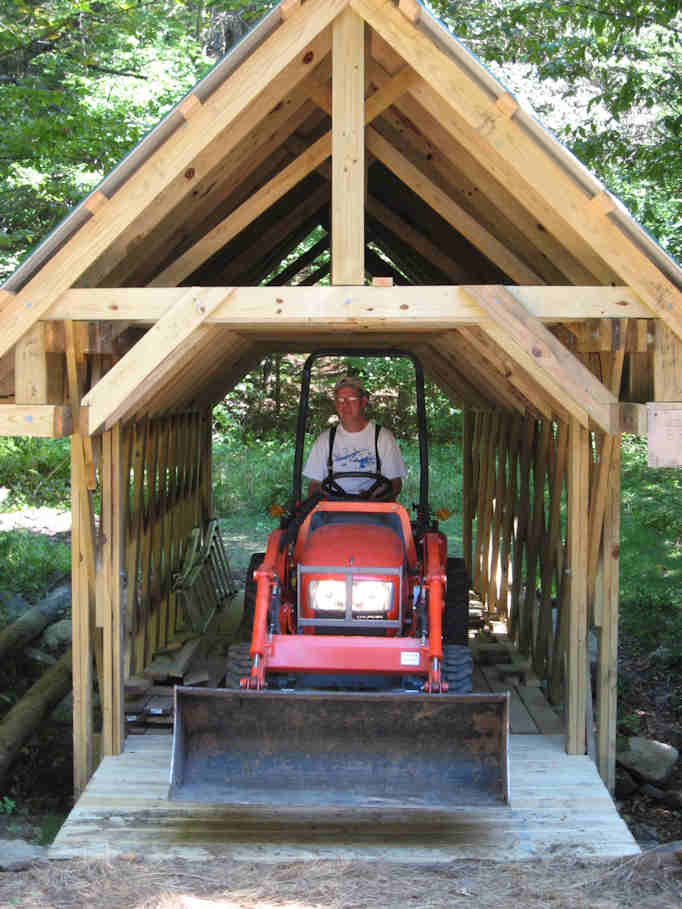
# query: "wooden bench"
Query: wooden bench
{"points": [[205, 583]]}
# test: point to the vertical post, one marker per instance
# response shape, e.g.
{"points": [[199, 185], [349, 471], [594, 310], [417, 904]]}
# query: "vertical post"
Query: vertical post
{"points": [[38, 372], [109, 595], [607, 680], [119, 492], [104, 610], [667, 365], [206, 467], [484, 446], [348, 149], [578, 484], [467, 488], [82, 631]]}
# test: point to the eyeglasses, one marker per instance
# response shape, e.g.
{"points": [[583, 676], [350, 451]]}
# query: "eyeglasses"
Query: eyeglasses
{"points": [[348, 400]]}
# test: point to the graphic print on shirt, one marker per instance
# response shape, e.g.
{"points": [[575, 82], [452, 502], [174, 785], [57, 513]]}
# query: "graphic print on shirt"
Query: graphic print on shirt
{"points": [[355, 459]]}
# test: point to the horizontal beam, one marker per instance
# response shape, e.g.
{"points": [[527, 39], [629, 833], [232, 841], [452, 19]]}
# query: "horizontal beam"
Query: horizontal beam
{"points": [[44, 421], [361, 307]]}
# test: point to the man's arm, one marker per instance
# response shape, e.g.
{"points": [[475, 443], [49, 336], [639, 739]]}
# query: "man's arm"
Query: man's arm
{"points": [[314, 488]]}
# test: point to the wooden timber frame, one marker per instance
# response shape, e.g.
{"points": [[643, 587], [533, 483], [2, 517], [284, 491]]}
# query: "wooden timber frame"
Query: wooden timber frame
{"points": [[451, 224]]}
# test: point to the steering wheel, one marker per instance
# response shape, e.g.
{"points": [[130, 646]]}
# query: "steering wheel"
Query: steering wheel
{"points": [[381, 489]]}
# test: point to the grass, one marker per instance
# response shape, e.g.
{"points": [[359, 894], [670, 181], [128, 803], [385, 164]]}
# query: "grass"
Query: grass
{"points": [[31, 564], [651, 550]]}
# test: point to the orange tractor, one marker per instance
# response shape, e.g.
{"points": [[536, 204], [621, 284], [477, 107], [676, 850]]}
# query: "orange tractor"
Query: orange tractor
{"points": [[355, 686]]}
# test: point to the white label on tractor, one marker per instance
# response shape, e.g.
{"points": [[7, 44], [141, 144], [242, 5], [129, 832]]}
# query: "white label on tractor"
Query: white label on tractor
{"points": [[409, 658]]}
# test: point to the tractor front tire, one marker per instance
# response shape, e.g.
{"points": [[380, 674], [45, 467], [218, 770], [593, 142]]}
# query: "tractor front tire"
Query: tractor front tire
{"points": [[457, 668], [238, 664], [456, 613], [246, 626]]}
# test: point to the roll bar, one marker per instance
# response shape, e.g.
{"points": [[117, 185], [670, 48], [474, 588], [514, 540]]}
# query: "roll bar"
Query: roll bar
{"points": [[302, 421]]}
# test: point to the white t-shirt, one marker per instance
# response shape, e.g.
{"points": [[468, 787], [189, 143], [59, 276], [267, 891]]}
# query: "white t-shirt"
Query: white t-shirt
{"points": [[355, 451]]}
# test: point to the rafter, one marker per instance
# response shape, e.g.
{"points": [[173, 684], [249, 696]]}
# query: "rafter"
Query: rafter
{"points": [[448, 209], [157, 347], [535, 348], [306, 162]]}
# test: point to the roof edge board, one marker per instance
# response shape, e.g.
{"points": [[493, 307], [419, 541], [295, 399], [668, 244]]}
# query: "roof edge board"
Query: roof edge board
{"points": [[144, 149], [443, 38], [53, 242]]}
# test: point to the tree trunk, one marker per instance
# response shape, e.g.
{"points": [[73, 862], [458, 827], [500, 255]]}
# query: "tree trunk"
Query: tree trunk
{"points": [[27, 714], [31, 623]]}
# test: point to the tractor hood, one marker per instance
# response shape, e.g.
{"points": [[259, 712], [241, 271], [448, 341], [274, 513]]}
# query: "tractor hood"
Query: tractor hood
{"points": [[357, 544]]}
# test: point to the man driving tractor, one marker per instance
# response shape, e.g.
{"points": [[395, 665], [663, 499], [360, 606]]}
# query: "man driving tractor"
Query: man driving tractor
{"points": [[355, 446]]}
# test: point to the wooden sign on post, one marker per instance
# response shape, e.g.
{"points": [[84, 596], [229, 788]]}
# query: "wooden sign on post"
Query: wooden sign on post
{"points": [[665, 434]]}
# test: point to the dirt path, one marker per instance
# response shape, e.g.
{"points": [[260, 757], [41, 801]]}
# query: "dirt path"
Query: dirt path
{"points": [[130, 882], [49, 521]]}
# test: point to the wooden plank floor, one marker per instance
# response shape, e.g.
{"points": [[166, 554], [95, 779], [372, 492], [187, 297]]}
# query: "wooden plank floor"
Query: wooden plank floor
{"points": [[559, 806]]}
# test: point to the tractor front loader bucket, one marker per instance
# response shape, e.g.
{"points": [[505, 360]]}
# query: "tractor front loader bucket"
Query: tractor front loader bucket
{"points": [[321, 750]]}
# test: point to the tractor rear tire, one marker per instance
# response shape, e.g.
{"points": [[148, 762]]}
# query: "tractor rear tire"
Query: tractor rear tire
{"points": [[246, 626], [456, 614], [238, 664], [458, 668]]}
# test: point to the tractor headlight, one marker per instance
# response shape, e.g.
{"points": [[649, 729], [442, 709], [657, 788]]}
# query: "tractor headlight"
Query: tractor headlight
{"points": [[369, 597], [327, 596], [372, 596]]}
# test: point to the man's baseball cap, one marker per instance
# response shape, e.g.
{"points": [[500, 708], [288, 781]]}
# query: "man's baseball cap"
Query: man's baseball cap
{"points": [[351, 382]]}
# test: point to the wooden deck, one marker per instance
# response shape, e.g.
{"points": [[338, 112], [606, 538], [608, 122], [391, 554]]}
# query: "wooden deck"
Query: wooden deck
{"points": [[559, 806]]}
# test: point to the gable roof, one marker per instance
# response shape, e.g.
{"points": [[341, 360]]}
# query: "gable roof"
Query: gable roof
{"points": [[463, 186]]}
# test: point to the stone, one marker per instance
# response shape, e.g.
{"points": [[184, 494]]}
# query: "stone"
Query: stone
{"points": [[651, 760], [653, 792], [13, 605], [668, 856], [58, 599], [17, 855], [63, 712], [662, 656], [673, 798], [57, 637], [625, 785], [645, 834]]}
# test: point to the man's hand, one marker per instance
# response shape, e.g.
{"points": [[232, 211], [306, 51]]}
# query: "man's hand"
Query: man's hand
{"points": [[396, 486]]}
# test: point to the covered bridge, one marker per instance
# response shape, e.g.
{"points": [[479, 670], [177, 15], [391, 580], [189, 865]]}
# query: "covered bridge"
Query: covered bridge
{"points": [[533, 298]]}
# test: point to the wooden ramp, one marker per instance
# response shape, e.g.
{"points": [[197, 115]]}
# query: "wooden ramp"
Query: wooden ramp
{"points": [[559, 806]]}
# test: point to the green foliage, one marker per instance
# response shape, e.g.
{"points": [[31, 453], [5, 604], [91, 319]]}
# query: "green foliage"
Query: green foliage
{"points": [[249, 477], [49, 828], [7, 805], [265, 403], [31, 563], [89, 80], [651, 550], [35, 471]]}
